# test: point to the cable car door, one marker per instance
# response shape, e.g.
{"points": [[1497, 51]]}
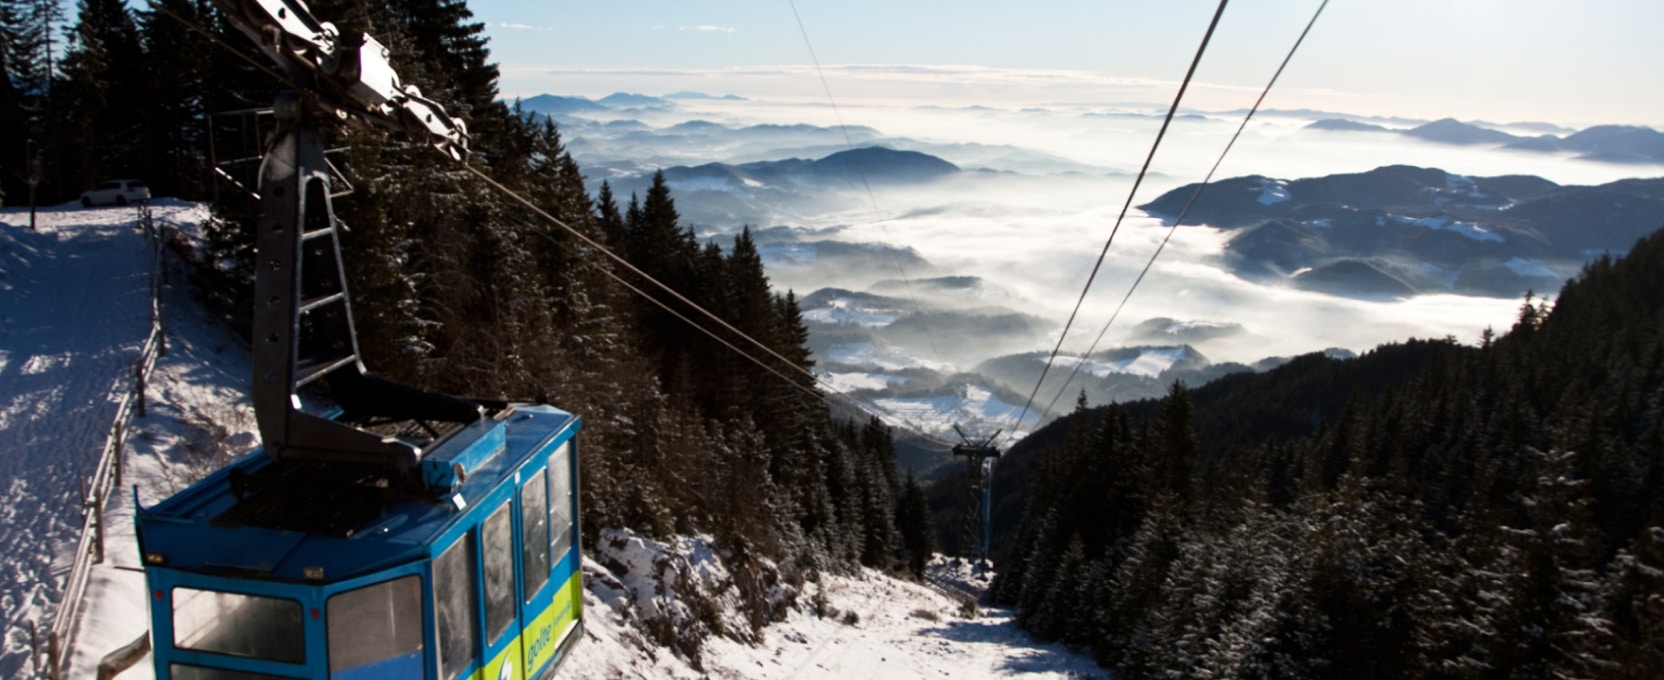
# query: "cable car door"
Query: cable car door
{"points": [[499, 558], [474, 592], [551, 590]]}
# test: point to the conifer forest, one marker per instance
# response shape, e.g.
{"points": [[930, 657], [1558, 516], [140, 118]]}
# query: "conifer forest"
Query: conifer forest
{"points": [[1428, 509]]}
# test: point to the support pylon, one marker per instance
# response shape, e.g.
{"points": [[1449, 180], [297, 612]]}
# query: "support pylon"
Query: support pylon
{"points": [[980, 456]]}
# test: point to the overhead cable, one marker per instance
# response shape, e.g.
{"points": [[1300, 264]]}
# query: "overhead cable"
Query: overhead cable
{"points": [[523, 201], [1171, 111], [1186, 211], [849, 143]]}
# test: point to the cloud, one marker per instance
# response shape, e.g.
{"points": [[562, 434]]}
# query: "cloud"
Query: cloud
{"points": [[523, 27], [903, 74], [710, 28], [890, 72], [1034, 224]]}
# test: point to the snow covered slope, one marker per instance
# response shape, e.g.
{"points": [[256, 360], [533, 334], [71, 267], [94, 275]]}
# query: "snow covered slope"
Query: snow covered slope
{"points": [[74, 313], [867, 625], [198, 418]]}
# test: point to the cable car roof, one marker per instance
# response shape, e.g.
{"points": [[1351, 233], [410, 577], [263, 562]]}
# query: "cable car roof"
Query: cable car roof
{"points": [[259, 518]]}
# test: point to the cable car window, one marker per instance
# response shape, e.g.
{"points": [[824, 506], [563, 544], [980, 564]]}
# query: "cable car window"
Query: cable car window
{"points": [[376, 631], [250, 626], [455, 601], [560, 499], [534, 532], [181, 671], [497, 536]]}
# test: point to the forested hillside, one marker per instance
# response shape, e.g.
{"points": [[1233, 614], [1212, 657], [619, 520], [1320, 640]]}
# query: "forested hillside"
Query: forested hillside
{"points": [[460, 291], [1426, 510]]}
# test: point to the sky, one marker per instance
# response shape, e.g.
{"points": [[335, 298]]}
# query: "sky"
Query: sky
{"points": [[1583, 63]]}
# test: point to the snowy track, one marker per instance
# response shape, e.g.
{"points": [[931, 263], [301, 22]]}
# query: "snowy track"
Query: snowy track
{"points": [[877, 628], [74, 315]]}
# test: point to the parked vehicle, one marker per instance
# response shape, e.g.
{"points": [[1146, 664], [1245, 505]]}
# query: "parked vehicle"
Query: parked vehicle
{"points": [[116, 192]]}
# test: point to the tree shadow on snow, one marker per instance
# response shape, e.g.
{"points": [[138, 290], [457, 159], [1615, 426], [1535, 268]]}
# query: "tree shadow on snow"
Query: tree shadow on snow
{"points": [[1024, 655]]}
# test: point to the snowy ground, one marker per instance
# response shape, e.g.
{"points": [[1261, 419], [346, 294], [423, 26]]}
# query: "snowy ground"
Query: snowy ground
{"points": [[198, 418], [871, 626], [73, 314]]}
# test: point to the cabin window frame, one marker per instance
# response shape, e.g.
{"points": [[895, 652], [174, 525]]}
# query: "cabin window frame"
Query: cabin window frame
{"points": [[280, 622], [456, 609], [535, 556], [354, 642]]}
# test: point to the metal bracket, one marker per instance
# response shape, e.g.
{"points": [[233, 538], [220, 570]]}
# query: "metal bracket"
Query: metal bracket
{"points": [[303, 328]]}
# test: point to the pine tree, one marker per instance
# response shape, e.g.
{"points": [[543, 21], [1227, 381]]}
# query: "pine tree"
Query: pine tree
{"points": [[658, 245], [749, 307], [1634, 596], [881, 541], [444, 37], [180, 70], [27, 64], [843, 488], [14, 148], [1057, 604], [103, 87], [1179, 454], [918, 537], [1555, 619], [1131, 618], [26, 31], [611, 221]]}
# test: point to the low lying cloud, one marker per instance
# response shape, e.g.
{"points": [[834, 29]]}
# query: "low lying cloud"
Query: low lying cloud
{"points": [[710, 28], [1039, 190]]}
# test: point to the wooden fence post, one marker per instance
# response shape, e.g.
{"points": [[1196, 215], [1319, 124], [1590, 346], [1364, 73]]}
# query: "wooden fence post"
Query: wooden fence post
{"points": [[52, 670], [34, 647], [120, 454], [138, 388], [98, 524]]}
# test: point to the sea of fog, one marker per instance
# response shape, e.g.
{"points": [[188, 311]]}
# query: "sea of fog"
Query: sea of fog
{"points": [[1046, 185]]}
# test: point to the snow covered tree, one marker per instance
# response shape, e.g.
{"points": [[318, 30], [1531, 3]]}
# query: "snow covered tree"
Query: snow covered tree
{"points": [[1634, 595], [1555, 619], [918, 538], [1056, 603]]}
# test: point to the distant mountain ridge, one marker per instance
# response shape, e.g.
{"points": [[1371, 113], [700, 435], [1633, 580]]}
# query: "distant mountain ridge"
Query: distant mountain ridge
{"points": [[1605, 143], [1452, 131], [557, 105], [1401, 230], [1344, 125], [874, 165]]}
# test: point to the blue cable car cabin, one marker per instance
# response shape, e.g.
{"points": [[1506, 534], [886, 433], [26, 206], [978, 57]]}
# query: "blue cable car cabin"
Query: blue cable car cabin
{"points": [[273, 569]]}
